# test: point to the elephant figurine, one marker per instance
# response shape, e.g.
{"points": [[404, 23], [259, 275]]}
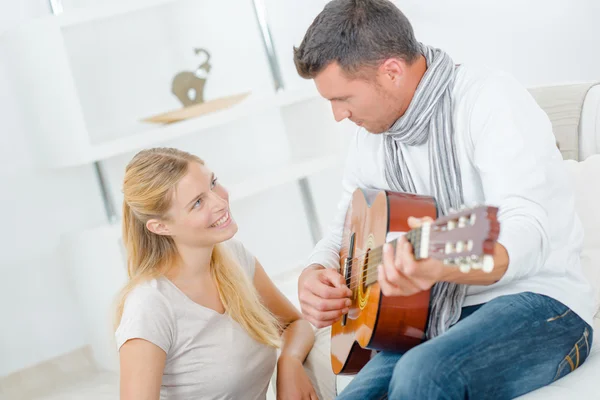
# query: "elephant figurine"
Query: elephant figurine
{"points": [[188, 86]]}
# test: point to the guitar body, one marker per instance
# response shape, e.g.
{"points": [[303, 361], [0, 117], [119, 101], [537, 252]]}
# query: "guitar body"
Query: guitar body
{"points": [[463, 240], [377, 322]]}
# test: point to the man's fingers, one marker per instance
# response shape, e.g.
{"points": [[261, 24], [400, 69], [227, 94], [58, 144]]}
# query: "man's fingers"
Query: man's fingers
{"points": [[386, 286], [321, 304], [320, 324], [397, 253], [326, 316], [414, 222], [322, 319], [392, 274], [388, 254], [407, 263], [334, 278], [327, 292], [409, 270], [400, 287]]}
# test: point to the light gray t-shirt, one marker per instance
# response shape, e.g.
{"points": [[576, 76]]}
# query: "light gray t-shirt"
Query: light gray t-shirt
{"points": [[209, 356]]}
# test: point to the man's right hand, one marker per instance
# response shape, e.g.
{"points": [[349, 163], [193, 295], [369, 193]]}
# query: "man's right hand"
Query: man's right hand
{"points": [[323, 294]]}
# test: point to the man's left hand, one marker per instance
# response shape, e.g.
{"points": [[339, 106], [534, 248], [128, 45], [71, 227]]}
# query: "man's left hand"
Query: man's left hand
{"points": [[401, 275]]}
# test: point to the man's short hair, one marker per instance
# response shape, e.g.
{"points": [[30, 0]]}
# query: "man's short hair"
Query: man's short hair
{"points": [[355, 34]]}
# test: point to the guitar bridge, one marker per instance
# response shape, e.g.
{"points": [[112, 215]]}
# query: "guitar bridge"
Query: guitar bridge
{"points": [[348, 271]]}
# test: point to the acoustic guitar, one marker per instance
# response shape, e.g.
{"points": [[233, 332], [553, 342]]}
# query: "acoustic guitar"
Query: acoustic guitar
{"points": [[464, 238]]}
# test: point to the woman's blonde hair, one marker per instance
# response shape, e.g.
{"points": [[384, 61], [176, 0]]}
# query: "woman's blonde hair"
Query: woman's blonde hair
{"points": [[150, 180]]}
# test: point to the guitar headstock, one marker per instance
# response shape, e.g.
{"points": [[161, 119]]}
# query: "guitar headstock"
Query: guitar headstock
{"points": [[465, 238]]}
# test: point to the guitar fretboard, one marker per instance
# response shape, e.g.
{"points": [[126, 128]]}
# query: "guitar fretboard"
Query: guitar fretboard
{"points": [[374, 257]]}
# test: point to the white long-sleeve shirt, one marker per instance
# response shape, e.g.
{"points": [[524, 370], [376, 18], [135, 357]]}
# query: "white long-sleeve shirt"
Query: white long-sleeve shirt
{"points": [[508, 158]]}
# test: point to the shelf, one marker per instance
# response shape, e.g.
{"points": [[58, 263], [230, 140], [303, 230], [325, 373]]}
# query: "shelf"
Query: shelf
{"points": [[156, 134], [81, 151]]}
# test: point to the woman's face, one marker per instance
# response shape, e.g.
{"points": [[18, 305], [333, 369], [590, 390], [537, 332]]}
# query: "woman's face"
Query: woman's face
{"points": [[199, 215]]}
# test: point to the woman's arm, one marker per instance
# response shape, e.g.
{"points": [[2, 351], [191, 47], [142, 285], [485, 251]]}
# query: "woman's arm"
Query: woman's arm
{"points": [[142, 364], [298, 335], [298, 338]]}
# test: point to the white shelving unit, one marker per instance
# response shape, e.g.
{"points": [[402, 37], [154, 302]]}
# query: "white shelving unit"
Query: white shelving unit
{"points": [[87, 78], [64, 118]]}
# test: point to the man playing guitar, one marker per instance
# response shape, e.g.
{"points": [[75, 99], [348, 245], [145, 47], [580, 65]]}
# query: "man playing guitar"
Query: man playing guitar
{"points": [[464, 135]]}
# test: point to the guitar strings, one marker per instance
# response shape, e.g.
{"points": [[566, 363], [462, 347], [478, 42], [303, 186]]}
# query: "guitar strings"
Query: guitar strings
{"points": [[377, 255], [363, 278], [371, 271], [380, 249]]}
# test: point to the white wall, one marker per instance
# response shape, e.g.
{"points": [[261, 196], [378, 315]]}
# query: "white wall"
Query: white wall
{"points": [[539, 41], [39, 318]]}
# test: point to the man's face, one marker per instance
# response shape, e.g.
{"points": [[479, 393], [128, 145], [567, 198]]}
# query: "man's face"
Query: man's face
{"points": [[373, 101]]}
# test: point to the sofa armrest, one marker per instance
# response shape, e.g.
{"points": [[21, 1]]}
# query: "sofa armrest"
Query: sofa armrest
{"points": [[564, 104], [589, 128]]}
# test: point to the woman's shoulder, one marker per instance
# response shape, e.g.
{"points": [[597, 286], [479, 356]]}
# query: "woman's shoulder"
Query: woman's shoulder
{"points": [[148, 292], [242, 255], [147, 314], [147, 300]]}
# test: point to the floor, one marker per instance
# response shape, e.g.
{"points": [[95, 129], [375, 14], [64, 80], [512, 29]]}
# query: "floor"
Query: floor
{"points": [[99, 386], [96, 386]]}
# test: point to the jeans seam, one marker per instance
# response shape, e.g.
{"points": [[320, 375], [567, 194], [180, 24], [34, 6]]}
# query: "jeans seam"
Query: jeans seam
{"points": [[558, 316], [576, 350]]}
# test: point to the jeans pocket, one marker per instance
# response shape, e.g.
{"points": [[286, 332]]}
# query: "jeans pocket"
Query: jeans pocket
{"points": [[576, 356]]}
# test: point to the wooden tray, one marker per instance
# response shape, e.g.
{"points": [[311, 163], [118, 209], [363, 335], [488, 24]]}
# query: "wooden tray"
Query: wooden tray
{"points": [[197, 110]]}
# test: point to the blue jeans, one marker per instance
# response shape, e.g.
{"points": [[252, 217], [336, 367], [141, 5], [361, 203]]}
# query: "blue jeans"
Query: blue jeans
{"points": [[499, 350]]}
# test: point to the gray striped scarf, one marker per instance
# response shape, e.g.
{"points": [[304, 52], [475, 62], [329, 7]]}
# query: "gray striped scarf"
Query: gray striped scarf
{"points": [[429, 117]]}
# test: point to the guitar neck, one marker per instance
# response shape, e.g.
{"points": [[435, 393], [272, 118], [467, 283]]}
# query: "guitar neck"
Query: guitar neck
{"points": [[375, 255]]}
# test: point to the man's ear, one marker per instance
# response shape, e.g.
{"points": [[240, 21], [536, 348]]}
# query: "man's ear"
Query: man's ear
{"points": [[158, 227], [393, 68]]}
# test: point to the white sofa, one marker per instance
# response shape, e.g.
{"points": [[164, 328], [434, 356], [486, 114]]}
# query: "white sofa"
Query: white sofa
{"points": [[575, 114]]}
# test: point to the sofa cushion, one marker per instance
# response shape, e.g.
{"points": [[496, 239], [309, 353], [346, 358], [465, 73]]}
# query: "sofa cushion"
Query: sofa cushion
{"points": [[587, 196]]}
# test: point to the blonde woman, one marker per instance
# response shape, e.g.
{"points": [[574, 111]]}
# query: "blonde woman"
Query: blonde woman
{"points": [[199, 318]]}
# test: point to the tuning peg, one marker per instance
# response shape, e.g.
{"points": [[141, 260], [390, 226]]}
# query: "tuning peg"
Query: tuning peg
{"points": [[460, 246], [463, 264], [488, 263], [464, 267], [472, 219], [476, 262]]}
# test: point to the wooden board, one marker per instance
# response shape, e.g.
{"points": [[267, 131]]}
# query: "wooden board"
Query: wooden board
{"points": [[197, 110]]}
